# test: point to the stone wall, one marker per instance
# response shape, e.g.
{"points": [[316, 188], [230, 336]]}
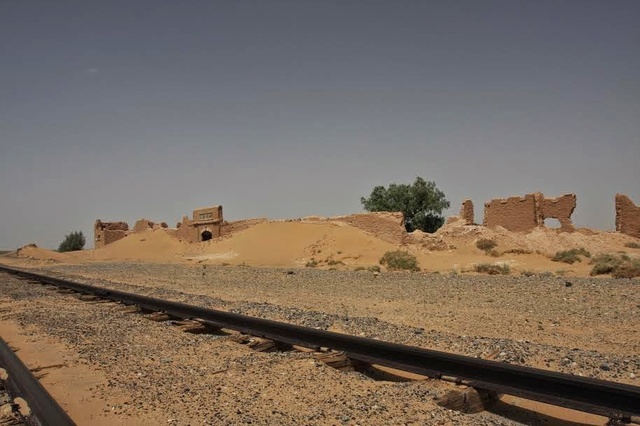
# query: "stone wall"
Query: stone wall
{"points": [[513, 214], [524, 214], [466, 212], [627, 216], [108, 232], [560, 208]]}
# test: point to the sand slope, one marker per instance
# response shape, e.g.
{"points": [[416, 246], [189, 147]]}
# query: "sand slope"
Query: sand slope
{"points": [[293, 244]]}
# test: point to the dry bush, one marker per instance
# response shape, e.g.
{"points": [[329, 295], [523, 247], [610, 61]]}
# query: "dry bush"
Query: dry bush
{"points": [[399, 261], [486, 244], [633, 245], [619, 266], [492, 269], [627, 270], [570, 256], [517, 251]]}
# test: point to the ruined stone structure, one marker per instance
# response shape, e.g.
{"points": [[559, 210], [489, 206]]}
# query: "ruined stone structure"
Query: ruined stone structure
{"points": [[108, 232], [560, 208], [524, 214], [466, 212], [144, 224], [205, 225], [627, 216]]}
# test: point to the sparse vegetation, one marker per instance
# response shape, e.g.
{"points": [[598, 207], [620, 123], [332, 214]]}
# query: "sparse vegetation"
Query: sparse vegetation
{"points": [[311, 263], [492, 269], [332, 262], [517, 251], [486, 244], [620, 266], [72, 242], [359, 268], [399, 261], [629, 269], [633, 245], [493, 253], [570, 256]]}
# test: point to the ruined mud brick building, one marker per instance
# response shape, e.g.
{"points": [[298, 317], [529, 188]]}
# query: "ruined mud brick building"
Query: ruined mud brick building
{"points": [[524, 214], [529, 212], [206, 223], [627, 216], [107, 232]]}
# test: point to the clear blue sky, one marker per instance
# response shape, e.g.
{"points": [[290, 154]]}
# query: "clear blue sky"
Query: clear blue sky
{"points": [[126, 109]]}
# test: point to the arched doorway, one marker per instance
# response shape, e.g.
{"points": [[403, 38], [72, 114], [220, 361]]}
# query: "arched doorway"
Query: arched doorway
{"points": [[206, 236]]}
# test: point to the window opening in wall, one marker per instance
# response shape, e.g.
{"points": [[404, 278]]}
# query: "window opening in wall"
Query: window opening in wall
{"points": [[552, 223]]}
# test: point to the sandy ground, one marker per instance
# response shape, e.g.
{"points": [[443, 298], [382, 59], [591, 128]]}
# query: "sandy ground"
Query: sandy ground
{"points": [[110, 367], [136, 371]]}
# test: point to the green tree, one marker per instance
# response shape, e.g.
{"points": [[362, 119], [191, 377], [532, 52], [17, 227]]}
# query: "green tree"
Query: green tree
{"points": [[72, 242], [421, 203]]}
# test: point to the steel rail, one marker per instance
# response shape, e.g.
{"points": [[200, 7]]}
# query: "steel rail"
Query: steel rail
{"points": [[21, 383], [614, 400]]}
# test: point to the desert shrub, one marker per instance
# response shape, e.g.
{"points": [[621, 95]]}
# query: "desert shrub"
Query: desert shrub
{"points": [[332, 262], [399, 261], [373, 268], [311, 263], [493, 253], [605, 264], [486, 244], [570, 256], [72, 242], [627, 270], [492, 269], [621, 266], [527, 273], [517, 251], [632, 245]]}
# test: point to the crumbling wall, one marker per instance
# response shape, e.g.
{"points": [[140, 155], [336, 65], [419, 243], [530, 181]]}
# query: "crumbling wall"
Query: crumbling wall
{"points": [[186, 231], [384, 225], [526, 213], [143, 224], [466, 212], [560, 208], [108, 232], [513, 214], [627, 216]]}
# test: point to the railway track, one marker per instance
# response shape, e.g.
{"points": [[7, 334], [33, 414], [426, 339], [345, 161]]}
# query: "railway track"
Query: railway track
{"points": [[20, 383], [619, 402]]}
